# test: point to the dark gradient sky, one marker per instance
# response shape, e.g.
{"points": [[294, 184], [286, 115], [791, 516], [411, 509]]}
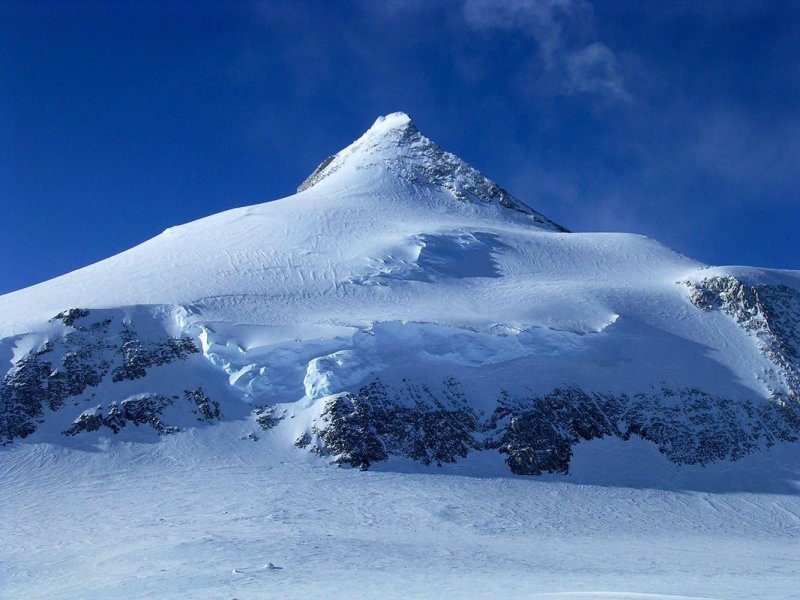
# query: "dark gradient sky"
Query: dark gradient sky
{"points": [[680, 121]]}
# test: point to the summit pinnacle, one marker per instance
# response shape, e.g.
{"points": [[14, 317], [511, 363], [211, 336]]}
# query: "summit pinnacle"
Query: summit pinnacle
{"points": [[395, 146]]}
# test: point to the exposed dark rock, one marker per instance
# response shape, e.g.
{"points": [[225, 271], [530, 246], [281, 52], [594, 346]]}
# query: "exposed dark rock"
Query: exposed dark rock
{"points": [[770, 313], [316, 176], [20, 403], [40, 381], [428, 164], [687, 425], [350, 433], [143, 410], [208, 409], [435, 424], [541, 432], [87, 421], [137, 357], [537, 434], [303, 440], [266, 417], [67, 366], [69, 316], [366, 427]]}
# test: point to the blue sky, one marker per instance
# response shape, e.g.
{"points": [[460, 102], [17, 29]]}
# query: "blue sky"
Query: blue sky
{"points": [[678, 120]]}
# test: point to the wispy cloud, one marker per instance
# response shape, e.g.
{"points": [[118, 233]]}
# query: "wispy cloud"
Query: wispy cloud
{"points": [[565, 38], [748, 151], [594, 69]]}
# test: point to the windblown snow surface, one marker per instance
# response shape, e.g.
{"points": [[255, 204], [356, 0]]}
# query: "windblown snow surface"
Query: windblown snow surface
{"points": [[535, 413]]}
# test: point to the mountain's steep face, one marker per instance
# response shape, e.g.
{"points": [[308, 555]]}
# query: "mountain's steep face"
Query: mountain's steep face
{"points": [[395, 144], [402, 305], [770, 314]]}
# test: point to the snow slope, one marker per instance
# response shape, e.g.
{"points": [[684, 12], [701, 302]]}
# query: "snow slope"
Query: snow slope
{"points": [[399, 266], [169, 414]]}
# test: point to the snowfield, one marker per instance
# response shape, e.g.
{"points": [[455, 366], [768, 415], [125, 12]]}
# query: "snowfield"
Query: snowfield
{"points": [[529, 412], [203, 517]]}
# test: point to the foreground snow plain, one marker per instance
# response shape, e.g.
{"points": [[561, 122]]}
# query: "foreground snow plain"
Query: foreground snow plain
{"points": [[200, 515]]}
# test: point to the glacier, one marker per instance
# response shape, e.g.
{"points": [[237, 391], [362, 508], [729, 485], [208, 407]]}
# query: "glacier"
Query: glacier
{"points": [[404, 315]]}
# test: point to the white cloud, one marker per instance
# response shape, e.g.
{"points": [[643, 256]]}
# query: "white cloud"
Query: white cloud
{"points": [[564, 34], [594, 69], [541, 20]]}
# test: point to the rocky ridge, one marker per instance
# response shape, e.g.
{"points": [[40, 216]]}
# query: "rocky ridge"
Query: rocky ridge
{"points": [[537, 434], [422, 162]]}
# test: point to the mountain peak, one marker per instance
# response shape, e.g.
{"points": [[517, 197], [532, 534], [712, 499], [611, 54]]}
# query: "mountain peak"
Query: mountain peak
{"points": [[394, 144], [392, 121]]}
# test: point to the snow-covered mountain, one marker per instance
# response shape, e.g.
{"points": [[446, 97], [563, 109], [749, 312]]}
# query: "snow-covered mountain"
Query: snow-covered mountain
{"points": [[404, 307]]}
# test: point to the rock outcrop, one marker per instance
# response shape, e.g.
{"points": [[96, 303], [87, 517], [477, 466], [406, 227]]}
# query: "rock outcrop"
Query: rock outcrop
{"points": [[770, 314], [69, 365], [145, 410], [537, 434]]}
